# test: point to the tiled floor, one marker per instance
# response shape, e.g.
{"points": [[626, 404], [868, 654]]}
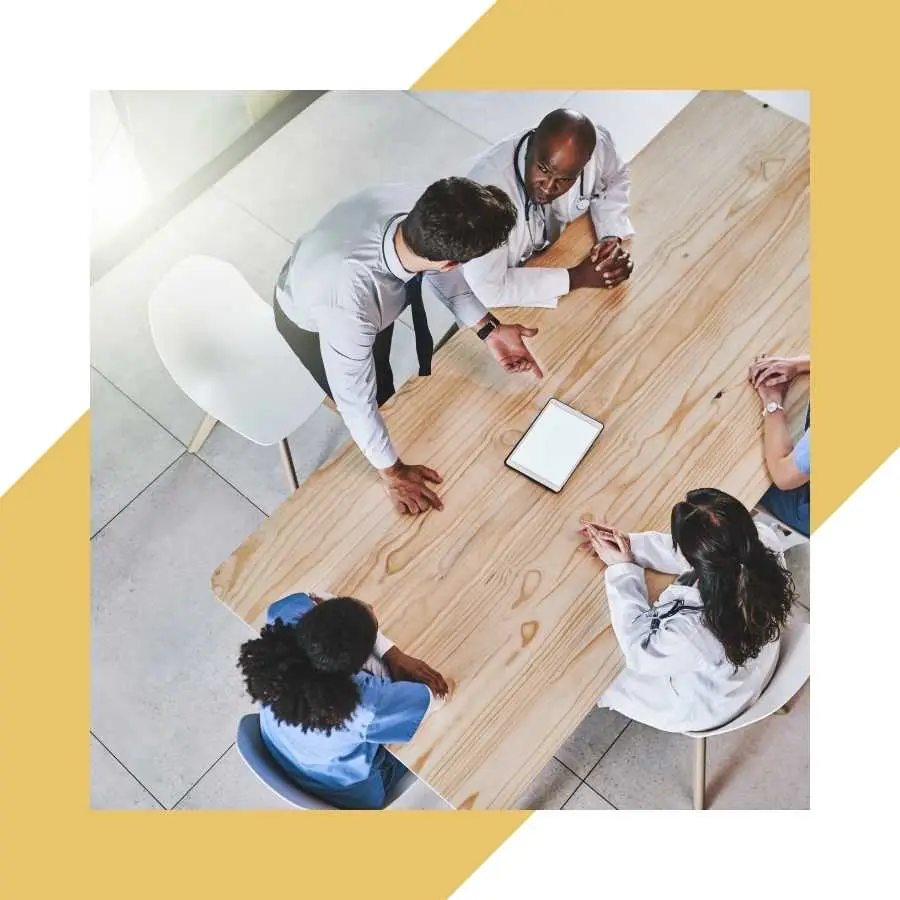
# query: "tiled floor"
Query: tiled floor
{"points": [[166, 697]]}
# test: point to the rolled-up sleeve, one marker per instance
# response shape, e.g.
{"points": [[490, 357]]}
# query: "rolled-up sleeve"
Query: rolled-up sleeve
{"points": [[496, 284], [609, 212], [454, 292], [655, 550], [667, 649], [347, 337]]}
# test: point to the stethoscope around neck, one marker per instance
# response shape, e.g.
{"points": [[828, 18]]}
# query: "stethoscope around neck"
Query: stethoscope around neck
{"points": [[581, 204]]}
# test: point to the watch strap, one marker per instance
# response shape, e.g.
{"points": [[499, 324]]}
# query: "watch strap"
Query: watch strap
{"points": [[488, 327]]}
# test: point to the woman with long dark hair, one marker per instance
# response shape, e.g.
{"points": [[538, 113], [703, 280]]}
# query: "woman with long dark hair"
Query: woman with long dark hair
{"points": [[333, 692], [706, 650]]}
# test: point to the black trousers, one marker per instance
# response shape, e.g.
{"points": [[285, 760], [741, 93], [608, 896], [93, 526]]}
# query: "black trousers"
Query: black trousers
{"points": [[305, 345], [307, 349]]}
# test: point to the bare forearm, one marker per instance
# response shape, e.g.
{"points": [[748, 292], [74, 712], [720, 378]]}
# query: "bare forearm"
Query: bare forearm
{"points": [[776, 439]]}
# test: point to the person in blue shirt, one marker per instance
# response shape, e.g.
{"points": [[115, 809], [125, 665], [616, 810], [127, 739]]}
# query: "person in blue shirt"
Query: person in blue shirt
{"points": [[788, 464], [333, 692]]}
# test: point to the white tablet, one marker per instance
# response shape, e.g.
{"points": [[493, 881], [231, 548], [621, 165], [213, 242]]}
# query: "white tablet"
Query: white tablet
{"points": [[556, 442]]}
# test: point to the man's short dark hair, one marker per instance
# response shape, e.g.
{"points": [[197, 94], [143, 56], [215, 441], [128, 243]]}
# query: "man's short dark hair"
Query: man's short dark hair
{"points": [[458, 219]]}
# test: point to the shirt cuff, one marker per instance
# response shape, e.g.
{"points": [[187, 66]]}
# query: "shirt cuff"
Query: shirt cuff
{"points": [[618, 227], [382, 645], [383, 459], [469, 311]]}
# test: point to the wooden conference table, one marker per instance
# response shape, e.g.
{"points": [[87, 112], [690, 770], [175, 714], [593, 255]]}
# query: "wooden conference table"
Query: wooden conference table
{"points": [[493, 591]]}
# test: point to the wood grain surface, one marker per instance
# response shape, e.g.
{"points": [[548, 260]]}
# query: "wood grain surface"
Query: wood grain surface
{"points": [[493, 590]]}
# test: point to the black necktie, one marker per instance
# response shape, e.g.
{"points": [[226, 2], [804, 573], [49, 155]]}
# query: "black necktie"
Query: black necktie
{"points": [[424, 340]]}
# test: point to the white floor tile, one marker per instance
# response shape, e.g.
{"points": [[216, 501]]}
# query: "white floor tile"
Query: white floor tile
{"points": [[797, 559], [495, 115], [633, 118], [593, 737], [113, 786], [230, 784], [121, 344], [342, 143], [128, 450], [166, 693], [553, 786], [587, 798]]}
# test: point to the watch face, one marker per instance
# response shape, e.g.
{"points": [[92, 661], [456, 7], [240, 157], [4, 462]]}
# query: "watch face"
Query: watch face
{"points": [[771, 406]]}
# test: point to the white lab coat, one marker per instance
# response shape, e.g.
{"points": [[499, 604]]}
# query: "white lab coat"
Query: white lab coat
{"points": [[497, 278], [676, 678]]}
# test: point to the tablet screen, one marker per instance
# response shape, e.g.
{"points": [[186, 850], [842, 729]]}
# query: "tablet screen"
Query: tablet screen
{"points": [[555, 443]]}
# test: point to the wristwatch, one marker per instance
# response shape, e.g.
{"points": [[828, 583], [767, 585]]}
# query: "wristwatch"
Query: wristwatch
{"points": [[491, 325], [772, 406]]}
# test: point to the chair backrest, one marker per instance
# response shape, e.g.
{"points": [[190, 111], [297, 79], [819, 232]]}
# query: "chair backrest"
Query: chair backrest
{"points": [[218, 340], [254, 752], [791, 673]]}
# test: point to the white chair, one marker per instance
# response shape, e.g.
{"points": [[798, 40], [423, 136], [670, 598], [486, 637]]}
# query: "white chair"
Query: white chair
{"points": [[255, 754], [789, 537], [791, 673], [217, 338]]}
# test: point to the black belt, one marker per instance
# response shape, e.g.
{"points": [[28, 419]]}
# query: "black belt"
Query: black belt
{"points": [[424, 340]]}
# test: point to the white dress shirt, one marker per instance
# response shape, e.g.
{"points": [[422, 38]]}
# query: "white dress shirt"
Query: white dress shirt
{"points": [[676, 677], [497, 278], [346, 282]]}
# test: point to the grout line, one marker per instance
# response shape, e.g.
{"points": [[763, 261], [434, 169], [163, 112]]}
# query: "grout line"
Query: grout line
{"points": [[568, 767], [604, 753], [214, 764], [138, 494], [236, 490], [580, 783], [225, 196], [119, 761], [131, 399], [444, 115], [183, 453]]}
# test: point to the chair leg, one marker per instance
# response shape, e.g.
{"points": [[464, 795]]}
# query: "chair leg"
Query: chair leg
{"points": [[288, 461], [203, 432], [699, 772]]}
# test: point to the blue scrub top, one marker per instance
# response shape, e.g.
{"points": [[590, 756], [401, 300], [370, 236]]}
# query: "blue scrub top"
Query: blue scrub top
{"points": [[341, 766]]}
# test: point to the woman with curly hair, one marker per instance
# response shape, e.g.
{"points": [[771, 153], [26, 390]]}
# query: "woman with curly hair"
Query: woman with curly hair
{"points": [[333, 691], [706, 650]]}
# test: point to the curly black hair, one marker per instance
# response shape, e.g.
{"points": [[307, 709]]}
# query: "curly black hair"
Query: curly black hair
{"points": [[747, 594], [458, 219], [304, 671]]}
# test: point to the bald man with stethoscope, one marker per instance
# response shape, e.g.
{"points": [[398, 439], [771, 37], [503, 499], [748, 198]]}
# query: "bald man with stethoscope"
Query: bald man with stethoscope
{"points": [[554, 173]]}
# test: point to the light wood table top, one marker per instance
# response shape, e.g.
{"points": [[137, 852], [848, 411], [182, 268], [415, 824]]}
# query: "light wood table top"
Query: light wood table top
{"points": [[493, 591]]}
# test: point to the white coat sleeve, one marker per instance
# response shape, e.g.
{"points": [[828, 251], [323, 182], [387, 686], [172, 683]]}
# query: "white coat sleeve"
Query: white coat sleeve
{"points": [[668, 649], [609, 213], [455, 293], [495, 284], [654, 550], [347, 338]]}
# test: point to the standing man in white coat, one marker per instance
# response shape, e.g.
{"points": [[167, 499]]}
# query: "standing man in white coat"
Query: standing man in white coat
{"points": [[554, 173], [351, 277]]}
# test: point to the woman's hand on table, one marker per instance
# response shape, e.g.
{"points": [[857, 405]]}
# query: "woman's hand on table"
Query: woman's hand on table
{"points": [[404, 667], [773, 370], [608, 544]]}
